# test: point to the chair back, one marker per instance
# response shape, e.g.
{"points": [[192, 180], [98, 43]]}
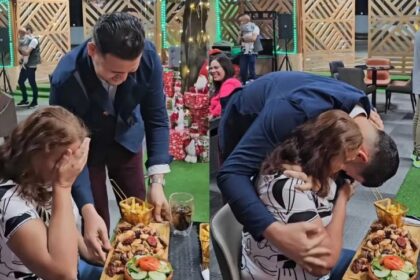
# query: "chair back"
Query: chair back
{"points": [[377, 61], [353, 76], [226, 235], [334, 65], [8, 117]]}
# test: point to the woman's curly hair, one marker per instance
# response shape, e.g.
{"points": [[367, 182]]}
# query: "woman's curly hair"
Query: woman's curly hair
{"points": [[43, 131], [314, 144]]}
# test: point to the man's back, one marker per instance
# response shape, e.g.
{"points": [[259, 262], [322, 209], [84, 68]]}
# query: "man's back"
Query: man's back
{"points": [[302, 89]]}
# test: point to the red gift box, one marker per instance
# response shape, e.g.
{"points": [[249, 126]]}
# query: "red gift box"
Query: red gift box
{"points": [[176, 143], [195, 100], [168, 83]]}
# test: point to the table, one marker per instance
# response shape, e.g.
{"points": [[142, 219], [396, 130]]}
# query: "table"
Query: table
{"points": [[374, 69], [185, 255]]}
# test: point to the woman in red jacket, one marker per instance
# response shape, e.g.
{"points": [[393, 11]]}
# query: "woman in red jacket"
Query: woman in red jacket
{"points": [[224, 82]]}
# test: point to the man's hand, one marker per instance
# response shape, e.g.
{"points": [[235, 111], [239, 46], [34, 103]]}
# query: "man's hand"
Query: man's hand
{"points": [[156, 196], [376, 120], [300, 242], [295, 171], [96, 233]]}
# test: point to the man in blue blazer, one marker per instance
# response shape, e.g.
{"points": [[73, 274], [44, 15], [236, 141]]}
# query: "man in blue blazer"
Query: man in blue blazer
{"points": [[261, 115], [113, 82]]}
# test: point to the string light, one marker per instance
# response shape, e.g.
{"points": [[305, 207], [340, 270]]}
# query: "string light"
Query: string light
{"points": [[218, 23], [164, 31], [163, 24]]}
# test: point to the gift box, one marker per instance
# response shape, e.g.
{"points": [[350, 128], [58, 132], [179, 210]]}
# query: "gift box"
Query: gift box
{"points": [[176, 143], [168, 83], [196, 100], [201, 118]]}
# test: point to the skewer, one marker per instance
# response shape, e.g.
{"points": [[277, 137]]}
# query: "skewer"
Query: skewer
{"points": [[374, 194], [379, 194], [118, 191]]}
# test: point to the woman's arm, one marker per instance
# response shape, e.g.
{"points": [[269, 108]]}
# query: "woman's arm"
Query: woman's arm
{"points": [[334, 231], [50, 253]]}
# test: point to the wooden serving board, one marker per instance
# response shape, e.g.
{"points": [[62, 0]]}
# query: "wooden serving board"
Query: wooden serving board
{"points": [[163, 230], [349, 275]]}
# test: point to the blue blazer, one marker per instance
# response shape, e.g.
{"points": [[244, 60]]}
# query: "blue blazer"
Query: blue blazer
{"points": [[139, 106], [258, 118]]}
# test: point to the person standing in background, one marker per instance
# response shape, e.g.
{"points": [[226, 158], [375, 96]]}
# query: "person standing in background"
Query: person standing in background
{"points": [[416, 90], [121, 101], [31, 56], [249, 32]]}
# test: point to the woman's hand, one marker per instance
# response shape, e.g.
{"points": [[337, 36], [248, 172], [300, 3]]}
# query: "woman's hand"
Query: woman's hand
{"points": [[347, 190], [295, 171], [70, 165]]}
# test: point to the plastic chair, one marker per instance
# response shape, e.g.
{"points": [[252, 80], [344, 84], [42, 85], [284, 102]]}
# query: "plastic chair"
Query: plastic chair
{"points": [[404, 87], [8, 117], [334, 65], [383, 78], [355, 77], [226, 235]]}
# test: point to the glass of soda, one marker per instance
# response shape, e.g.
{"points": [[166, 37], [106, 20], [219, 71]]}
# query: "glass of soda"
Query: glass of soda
{"points": [[182, 208]]}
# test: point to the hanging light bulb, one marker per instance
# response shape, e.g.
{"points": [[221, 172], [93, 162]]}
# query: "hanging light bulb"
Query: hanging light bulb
{"points": [[190, 39]]}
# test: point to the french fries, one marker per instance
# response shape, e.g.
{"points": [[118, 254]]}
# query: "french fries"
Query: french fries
{"points": [[135, 211], [390, 212], [205, 242]]}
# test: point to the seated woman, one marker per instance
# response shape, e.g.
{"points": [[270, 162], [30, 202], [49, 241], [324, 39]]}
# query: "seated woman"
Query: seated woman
{"points": [[38, 164], [222, 72], [319, 147]]}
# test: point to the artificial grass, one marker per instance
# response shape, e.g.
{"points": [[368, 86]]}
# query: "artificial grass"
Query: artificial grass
{"points": [[409, 192], [194, 179]]}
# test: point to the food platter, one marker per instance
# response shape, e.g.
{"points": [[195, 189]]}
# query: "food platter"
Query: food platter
{"points": [[157, 233], [413, 232]]}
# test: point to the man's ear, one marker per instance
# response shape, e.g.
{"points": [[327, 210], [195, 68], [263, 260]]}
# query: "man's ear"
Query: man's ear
{"points": [[363, 154], [91, 49]]}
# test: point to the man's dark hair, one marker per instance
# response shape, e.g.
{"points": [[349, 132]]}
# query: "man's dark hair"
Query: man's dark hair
{"points": [[119, 34], [384, 162]]}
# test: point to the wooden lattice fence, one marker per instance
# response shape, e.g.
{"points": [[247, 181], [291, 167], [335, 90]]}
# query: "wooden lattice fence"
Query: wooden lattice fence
{"points": [[5, 21], [147, 11], [230, 10], [50, 21], [392, 25], [328, 32]]}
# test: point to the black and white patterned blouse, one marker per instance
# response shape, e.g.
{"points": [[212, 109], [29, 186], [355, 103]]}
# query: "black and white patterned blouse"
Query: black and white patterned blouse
{"points": [[261, 260], [14, 212]]}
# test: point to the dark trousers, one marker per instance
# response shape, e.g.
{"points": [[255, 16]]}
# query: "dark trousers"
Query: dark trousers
{"points": [[28, 73], [126, 169], [247, 66]]}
